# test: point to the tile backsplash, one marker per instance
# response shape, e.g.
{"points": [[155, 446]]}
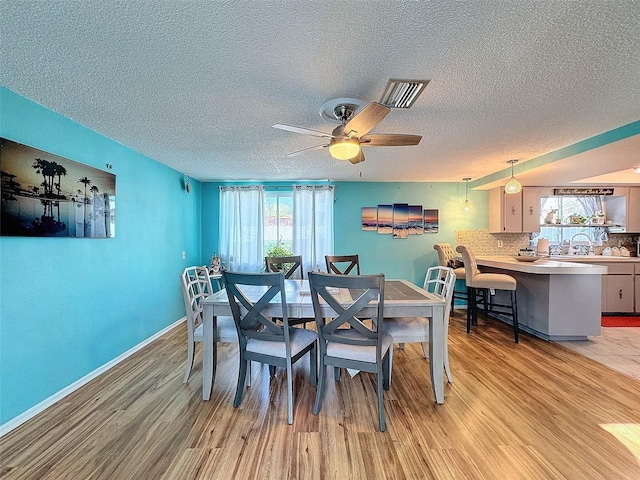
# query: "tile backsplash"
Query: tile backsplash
{"points": [[483, 243]]}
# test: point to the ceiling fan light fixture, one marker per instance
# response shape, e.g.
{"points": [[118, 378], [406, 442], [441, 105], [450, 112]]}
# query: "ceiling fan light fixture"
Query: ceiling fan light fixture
{"points": [[637, 169], [344, 148], [513, 185], [402, 93]]}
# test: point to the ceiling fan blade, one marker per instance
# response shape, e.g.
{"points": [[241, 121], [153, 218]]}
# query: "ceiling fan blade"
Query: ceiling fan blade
{"points": [[358, 158], [366, 119], [303, 131], [308, 149], [390, 140]]}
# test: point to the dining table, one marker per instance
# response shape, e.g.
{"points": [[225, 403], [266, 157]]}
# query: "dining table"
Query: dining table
{"points": [[401, 299]]}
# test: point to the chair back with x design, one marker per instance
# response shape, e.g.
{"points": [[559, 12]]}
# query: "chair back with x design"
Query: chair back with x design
{"points": [[342, 264], [290, 265], [345, 340], [262, 338], [250, 321]]}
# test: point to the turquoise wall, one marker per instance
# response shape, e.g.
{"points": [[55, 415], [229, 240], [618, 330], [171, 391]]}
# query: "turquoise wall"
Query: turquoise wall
{"points": [[406, 258], [70, 305], [397, 258]]}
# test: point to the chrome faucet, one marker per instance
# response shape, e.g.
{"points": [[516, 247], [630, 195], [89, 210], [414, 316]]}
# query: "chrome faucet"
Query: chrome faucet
{"points": [[573, 248]]}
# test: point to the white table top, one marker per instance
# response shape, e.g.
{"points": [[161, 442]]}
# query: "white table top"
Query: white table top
{"points": [[402, 298]]}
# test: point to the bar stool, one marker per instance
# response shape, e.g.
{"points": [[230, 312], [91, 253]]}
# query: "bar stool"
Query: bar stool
{"points": [[445, 257], [487, 282]]}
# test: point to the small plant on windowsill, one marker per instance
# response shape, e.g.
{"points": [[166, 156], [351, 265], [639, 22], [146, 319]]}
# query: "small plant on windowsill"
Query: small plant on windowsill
{"points": [[280, 250]]}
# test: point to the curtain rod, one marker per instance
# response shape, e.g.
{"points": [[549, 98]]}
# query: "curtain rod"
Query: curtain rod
{"points": [[278, 187]]}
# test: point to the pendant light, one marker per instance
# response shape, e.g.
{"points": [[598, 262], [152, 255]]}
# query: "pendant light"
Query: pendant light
{"points": [[513, 185], [467, 205]]}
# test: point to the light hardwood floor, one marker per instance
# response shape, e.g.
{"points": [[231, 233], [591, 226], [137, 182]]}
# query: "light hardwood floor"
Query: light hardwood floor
{"points": [[535, 410], [616, 347]]}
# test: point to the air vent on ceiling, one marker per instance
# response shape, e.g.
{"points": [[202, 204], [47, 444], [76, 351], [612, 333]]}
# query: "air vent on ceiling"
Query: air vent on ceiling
{"points": [[402, 93]]}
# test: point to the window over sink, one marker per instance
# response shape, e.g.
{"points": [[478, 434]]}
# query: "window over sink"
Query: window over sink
{"points": [[562, 217]]}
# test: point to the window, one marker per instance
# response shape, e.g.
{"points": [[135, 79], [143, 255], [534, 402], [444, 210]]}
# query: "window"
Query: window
{"points": [[253, 221], [278, 220], [569, 215]]}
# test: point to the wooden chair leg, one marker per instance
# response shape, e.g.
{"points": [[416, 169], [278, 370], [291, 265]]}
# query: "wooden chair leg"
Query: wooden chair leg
{"points": [[514, 313], [486, 298], [474, 308], [313, 365], [320, 390], [425, 349], [189, 365], [470, 302], [447, 368], [242, 372], [289, 394], [379, 385], [386, 370], [390, 362]]}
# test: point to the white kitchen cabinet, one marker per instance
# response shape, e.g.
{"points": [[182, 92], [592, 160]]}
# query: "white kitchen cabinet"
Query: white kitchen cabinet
{"points": [[505, 211], [633, 211], [618, 289], [531, 207], [637, 282], [619, 293]]}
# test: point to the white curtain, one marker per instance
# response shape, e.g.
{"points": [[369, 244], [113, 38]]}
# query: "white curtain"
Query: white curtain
{"points": [[241, 228], [313, 224]]}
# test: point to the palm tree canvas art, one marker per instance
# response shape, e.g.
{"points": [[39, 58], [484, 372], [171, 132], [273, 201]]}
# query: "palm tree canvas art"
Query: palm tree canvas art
{"points": [[44, 195]]}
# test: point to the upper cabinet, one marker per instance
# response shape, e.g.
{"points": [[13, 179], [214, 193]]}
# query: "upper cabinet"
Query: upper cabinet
{"points": [[531, 207], [505, 211], [633, 210], [515, 213]]}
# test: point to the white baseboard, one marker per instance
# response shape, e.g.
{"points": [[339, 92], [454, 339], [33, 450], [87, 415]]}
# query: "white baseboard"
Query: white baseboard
{"points": [[36, 409]]}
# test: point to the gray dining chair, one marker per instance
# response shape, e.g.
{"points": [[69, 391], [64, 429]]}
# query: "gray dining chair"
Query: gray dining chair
{"points": [[441, 282], [342, 264], [263, 340], [291, 265], [196, 285], [345, 341]]}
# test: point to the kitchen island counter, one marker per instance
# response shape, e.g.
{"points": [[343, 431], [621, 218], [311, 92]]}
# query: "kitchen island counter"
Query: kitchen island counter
{"points": [[594, 259], [545, 266], [556, 300]]}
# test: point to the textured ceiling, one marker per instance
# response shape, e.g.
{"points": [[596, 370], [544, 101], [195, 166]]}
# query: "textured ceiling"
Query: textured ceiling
{"points": [[196, 85]]}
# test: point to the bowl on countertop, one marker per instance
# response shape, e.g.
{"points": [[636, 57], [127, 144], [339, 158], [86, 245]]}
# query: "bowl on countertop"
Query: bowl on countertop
{"points": [[527, 258]]}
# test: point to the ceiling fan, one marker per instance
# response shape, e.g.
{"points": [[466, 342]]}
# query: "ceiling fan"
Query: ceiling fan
{"points": [[346, 139]]}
